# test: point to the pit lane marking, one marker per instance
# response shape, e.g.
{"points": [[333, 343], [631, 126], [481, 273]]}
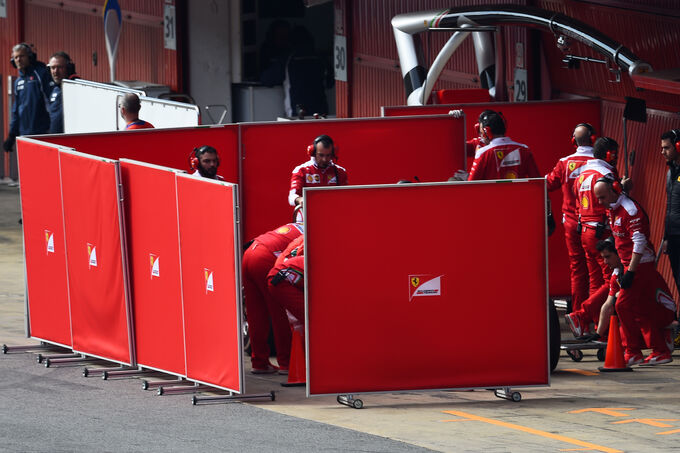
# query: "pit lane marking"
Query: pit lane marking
{"points": [[526, 429]]}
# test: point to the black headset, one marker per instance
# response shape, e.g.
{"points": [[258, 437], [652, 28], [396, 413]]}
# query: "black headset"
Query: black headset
{"points": [[194, 157], [32, 56], [70, 65], [326, 140]]}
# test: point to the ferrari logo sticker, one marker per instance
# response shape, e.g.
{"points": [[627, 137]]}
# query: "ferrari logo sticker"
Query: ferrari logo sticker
{"points": [[500, 155], [424, 285], [572, 166]]}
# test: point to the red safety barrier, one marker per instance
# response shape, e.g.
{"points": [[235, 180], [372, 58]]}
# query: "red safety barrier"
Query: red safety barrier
{"points": [[44, 250], [167, 147], [100, 316], [546, 126], [373, 150], [210, 262], [463, 95], [458, 301], [154, 258]]}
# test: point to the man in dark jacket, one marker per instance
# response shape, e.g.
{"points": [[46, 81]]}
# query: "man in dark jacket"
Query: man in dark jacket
{"points": [[32, 89], [670, 149]]}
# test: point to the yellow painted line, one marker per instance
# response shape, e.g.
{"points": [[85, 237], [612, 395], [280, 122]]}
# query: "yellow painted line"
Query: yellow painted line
{"points": [[582, 372], [649, 421], [673, 431], [533, 431], [613, 411]]}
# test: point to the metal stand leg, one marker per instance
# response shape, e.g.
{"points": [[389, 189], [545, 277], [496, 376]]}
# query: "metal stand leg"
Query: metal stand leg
{"points": [[349, 400], [29, 347], [74, 361], [182, 389], [126, 372], [508, 394], [41, 357], [146, 385], [197, 400], [98, 371]]}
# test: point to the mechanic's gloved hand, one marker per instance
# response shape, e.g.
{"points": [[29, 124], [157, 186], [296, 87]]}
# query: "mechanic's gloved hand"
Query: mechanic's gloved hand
{"points": [[551, 224], [459, 175], [456, 113], [626, 281], [8, 145]]}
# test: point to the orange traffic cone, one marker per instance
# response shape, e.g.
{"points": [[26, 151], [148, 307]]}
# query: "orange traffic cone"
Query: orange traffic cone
{"points": [[614, 360], [297, 371]]}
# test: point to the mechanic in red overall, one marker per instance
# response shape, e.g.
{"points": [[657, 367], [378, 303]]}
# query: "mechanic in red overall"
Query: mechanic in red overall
{"points": [[258, 260], [286, 279], [644, 303], [319, 171], [592, 216], [563, 176], [500, 157], [592, 310]]}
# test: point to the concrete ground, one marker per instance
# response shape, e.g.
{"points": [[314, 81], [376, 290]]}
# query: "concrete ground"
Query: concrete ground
{"points": [[57, 409]]}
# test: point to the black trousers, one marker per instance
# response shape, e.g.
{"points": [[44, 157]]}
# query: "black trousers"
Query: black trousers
{"points": [[673, 250]]}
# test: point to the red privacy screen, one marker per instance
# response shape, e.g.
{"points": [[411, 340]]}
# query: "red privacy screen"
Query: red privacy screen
{"points": [[45, 254], [99, 305], [153, 254], [546, 126], [373, 150], [426, 287], [167, 147], [211, 281]]}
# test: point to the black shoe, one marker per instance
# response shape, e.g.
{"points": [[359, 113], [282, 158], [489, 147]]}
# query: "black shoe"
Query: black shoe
{"points": [[589, 337]]}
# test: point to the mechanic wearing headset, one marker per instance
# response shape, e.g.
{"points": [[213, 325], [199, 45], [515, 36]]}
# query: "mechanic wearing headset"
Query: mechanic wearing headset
{"points": [[499, 157], [670, 149], [643, 304], [205, 161], [61, 67], [563, 176], [32, 89], [261, 309], [319, 171]]}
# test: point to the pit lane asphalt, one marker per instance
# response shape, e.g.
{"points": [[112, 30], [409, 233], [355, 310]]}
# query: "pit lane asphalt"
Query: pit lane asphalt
{"points": [[57, 409]]}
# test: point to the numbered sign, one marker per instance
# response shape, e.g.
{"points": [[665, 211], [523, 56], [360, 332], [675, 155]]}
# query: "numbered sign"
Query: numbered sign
{"points": [[169, 27], [340, 58], [520, 85]]}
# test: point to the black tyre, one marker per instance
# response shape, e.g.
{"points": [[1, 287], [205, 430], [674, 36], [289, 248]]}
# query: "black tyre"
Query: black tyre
{"points": [[601, 354]]}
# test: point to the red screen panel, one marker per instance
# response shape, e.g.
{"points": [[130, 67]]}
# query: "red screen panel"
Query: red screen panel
{"points": [[373, 150], [45, 253], [153, 256], [546, 126], [99, 315], [421, 282], [210, 281], [166, 147]]}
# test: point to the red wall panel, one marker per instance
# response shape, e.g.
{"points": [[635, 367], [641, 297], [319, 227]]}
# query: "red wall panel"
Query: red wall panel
{"points": [[534, 123], [153, 255], [44, 247], [369, 331], [210, 281], [100, 321], [374, 151], [166, 147]]}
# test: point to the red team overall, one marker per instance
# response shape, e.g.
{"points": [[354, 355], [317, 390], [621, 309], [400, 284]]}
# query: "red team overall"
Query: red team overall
{"points": [[500, 157], [593, 215], [319, 171], [644, 303], [286, 279], [258, 260], [563, 176]]}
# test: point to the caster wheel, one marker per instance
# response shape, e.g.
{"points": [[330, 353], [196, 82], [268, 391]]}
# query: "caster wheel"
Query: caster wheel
{"points": [[160, 391], [47, 363], [273, 395], [358, 404], [86, 373], [194, 400], [338, 400], [4, 349], [39, 358], [516, 397], [145, 385], [601, 354], [575, 354], [105, 375]]}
